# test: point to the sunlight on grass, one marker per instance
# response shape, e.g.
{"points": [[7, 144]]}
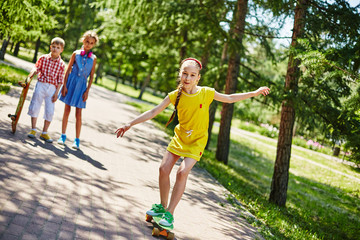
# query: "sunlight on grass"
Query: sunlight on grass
{"points": [[129, 91], [321, 202]]}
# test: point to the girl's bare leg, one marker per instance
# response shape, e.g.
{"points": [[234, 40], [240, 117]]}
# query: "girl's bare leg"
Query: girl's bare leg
{"points": [[65, 119], [181, 178], [166, 166], [78, 122]]}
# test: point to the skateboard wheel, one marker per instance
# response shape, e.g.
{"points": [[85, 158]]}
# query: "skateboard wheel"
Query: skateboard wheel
{"points": [[170, 236], [155, 232], [12, 117], [148, 218]]}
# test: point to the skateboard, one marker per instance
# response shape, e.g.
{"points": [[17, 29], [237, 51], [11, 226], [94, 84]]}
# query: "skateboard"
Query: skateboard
{"points": [[15, 117], [159, 230]]}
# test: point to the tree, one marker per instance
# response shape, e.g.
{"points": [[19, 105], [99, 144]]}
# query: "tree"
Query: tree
{"points": [[280, 179], [23, 19], [316, 87], [237, 32]]}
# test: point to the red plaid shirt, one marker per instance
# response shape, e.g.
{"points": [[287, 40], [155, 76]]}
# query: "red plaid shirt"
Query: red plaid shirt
{"points": [[49, 70]]}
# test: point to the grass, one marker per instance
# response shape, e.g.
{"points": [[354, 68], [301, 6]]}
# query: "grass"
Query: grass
{"points": [[25, 54], [129, 91], [10, 76]]}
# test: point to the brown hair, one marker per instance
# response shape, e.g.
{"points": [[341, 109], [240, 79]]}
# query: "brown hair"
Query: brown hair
{"points": [[176, 103], [59, 41], [199, 66]]}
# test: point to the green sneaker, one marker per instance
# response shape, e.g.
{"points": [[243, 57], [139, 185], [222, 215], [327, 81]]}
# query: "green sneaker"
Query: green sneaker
{"points": [[156, 210], [167, 220]]}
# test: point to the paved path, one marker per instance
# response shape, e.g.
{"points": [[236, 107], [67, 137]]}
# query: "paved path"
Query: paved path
{"points": [[48, 191]]}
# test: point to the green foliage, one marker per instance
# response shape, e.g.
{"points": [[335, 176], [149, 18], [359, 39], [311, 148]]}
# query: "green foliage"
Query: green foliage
{"points": [[24, 19], [329, 92]]}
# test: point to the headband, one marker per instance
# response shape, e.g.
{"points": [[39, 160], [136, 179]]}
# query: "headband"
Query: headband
{"points": [[193, 59]]}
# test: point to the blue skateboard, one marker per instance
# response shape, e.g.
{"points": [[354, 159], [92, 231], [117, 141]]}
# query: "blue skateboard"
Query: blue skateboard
{"points": [[160, 230]]}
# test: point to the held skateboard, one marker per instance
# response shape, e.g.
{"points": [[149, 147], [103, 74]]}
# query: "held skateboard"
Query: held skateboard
{"points": [[159, 230], [15, 117]]}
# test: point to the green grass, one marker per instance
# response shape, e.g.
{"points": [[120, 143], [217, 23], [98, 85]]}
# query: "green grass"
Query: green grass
{"points": [[10, 76], [320, 205], [129, 91]]}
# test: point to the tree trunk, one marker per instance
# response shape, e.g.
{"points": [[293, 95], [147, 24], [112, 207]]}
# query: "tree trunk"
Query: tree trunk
{"points": [[214, 104], [17, 48], [38, 42], [223, 144], [118, 77], [3, 48], [206, 54], [99, 72], [280, 178], [135, 77], [146, 82], [183, 48]]}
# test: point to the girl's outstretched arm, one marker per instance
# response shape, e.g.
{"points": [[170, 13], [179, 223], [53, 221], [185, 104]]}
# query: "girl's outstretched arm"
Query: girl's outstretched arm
{"points": [[144, 117], [231, 98]]}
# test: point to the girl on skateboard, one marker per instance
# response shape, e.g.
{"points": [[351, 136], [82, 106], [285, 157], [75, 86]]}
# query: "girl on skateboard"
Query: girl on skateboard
{"points": [[75, 91], [192, 106]]}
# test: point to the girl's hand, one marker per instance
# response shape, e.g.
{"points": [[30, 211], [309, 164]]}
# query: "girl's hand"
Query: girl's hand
{"points": [[85, 96], [120, 132], [262, 90], [64, 91]]}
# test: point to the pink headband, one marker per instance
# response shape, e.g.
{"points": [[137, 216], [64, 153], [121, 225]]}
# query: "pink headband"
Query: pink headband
{"points": [[197, 61]]}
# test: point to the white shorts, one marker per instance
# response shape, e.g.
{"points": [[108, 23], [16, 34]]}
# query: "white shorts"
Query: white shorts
{"points": [[43, 91]]}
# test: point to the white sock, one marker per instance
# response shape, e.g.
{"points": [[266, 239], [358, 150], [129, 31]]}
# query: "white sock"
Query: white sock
{"points": [[44, 132]]}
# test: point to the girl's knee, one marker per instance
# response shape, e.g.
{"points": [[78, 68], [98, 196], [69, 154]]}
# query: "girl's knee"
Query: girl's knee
{"points": [[164, 170], [182, 174], [78, 113]]}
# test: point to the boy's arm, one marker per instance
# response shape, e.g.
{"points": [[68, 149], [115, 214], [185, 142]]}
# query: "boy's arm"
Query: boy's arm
{"points": [[56, 94], [231, 98], [32, 73], [36, 68], [144, 116]]}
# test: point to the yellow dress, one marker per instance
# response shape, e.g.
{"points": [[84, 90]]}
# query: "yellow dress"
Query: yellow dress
{"points": [[191, 133]]}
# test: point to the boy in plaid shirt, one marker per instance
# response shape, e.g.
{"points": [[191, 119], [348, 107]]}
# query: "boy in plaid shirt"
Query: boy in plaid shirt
{"points": [[50, 68]]}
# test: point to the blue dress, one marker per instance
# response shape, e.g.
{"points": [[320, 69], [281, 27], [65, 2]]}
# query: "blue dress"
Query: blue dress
{"points": [[77, 81]]}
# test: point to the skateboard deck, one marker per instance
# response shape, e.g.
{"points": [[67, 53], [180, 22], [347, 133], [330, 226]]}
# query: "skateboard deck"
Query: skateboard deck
{"points": [[15, 117], [159, 230]]}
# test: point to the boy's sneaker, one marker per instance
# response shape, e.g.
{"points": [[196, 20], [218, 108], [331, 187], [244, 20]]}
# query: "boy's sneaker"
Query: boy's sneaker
{"points": [[167, 220], [156, 210], [62, 139], [46, 137], [76, 143], [32, 134]]}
